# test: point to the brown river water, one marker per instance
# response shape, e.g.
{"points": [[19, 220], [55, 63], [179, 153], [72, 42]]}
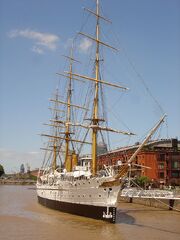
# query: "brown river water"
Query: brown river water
{"points": [[22, 218]]}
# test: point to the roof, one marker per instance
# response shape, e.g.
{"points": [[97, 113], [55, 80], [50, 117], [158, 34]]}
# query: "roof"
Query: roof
{"points": [[160, 143]]}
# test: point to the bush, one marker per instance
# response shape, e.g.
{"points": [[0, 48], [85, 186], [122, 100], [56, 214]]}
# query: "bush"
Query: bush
{"points": [[32, 177], [142, 181], [1, 170]]}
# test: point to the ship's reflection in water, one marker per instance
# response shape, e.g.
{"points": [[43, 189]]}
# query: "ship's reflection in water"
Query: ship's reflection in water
{"points": [[22, 218]]}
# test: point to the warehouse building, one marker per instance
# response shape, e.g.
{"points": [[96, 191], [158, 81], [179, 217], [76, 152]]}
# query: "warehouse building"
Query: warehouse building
{"points": [[161, 156]]}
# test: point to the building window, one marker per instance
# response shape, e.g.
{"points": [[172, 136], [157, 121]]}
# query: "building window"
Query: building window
{"points": [[162, 157], [161, 165], [161, 174], [174, 164], [175, 174]]}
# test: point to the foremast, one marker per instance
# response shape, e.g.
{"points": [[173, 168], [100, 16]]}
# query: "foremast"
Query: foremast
{"points": [[95, 126], [95, 119]]}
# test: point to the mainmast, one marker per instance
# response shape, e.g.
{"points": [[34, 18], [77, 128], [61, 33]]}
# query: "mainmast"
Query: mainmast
{"points": [[68, 117]]}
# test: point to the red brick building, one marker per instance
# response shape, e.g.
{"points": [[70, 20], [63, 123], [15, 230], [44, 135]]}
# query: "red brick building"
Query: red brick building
{"points": [[162, 156]]}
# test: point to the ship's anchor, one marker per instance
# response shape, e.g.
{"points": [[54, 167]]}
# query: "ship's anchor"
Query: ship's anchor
{"points": [[107, 214]]}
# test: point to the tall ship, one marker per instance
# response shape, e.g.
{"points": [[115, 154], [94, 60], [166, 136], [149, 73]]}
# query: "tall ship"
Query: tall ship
{"points": [[69, 179]]}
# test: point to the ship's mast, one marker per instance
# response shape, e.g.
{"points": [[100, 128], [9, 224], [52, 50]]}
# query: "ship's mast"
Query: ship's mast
{"points": [[97, 81], [56, 122], [54, 163], [68, 118], [96, 98]]}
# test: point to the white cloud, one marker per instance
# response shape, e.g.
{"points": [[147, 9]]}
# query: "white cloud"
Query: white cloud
{"points": [[40, 40], [85, 45], [37, 50], [12, 160]]}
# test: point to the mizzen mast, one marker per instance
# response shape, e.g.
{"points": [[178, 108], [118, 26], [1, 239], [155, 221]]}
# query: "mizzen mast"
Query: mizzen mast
{"points": [[54, 163], [55, 146]]}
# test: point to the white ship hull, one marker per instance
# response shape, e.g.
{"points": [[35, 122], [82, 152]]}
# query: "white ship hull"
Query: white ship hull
{"points": [[82, 197]]}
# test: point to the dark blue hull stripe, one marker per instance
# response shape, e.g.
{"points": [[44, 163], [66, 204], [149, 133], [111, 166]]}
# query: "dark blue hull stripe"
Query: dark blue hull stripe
{"points": [[90, 211]]}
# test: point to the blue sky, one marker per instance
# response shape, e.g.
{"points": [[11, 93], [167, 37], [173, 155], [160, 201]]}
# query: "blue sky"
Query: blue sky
{"points": [[34, 34]]}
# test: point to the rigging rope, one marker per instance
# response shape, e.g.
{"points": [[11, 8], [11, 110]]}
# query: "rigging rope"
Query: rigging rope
{"points": [[140, 77]]}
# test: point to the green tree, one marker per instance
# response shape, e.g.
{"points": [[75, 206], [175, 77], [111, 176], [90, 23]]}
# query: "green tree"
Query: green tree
{"points": [[1, 170], [142, 181]]}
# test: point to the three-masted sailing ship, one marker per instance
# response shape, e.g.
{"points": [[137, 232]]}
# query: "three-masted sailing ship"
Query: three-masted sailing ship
{"points": [[73, 187]]}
